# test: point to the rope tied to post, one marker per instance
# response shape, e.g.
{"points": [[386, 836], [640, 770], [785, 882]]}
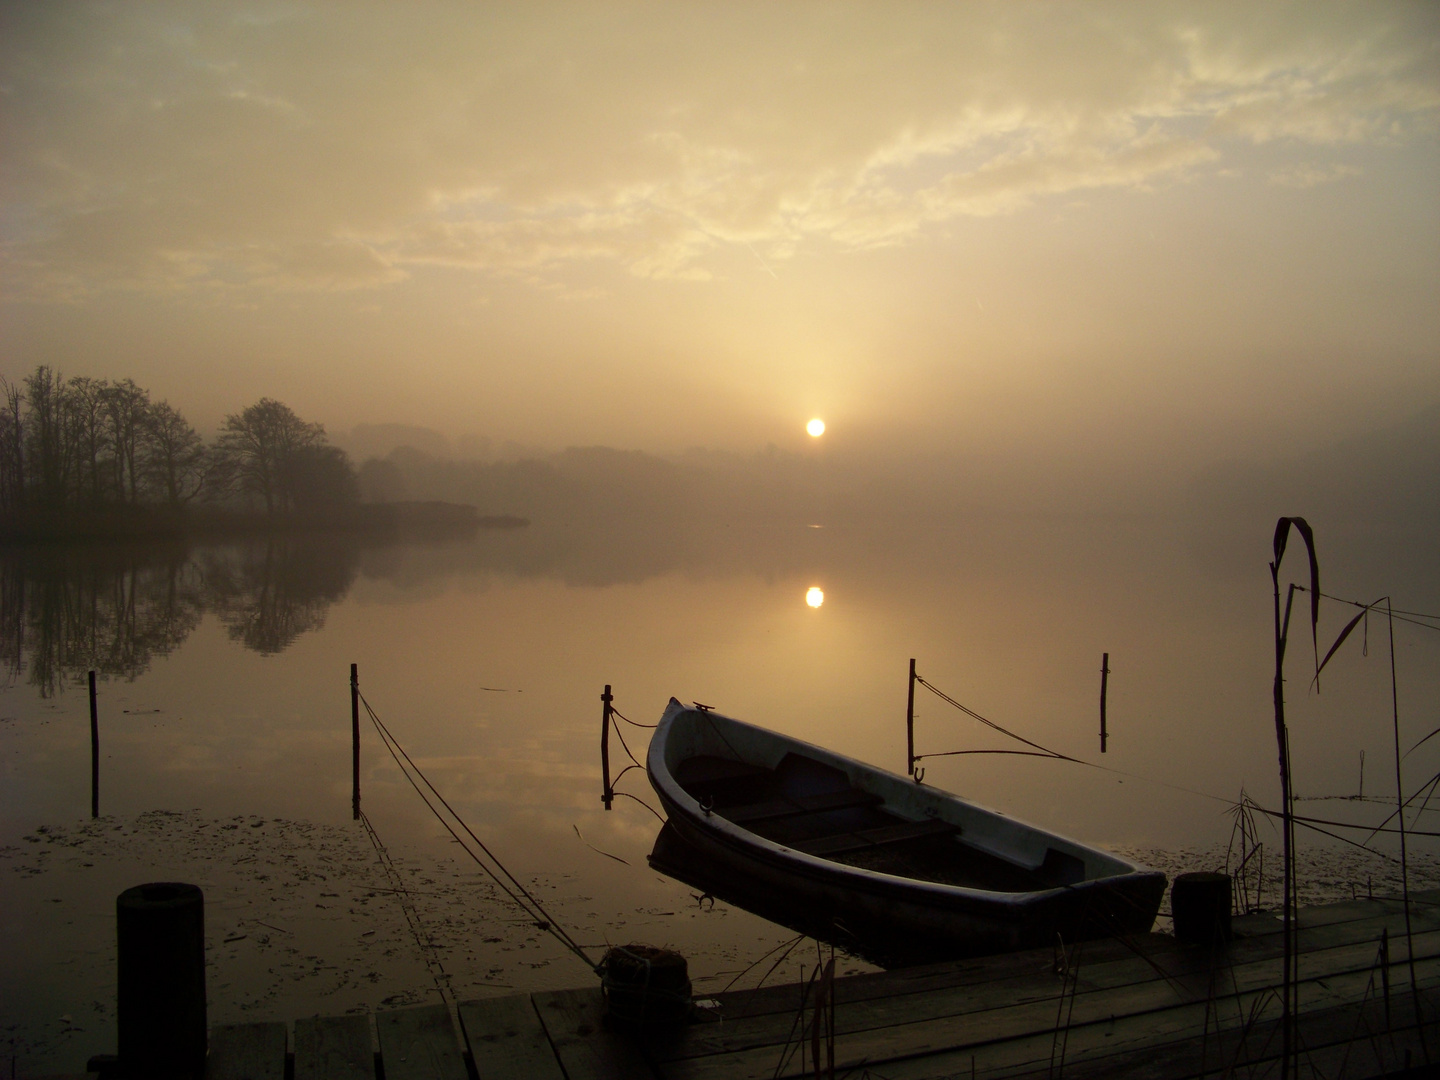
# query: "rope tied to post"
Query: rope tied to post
{"points": [[645, 985], [1037, 751], [1314, 824], [608, 790]]}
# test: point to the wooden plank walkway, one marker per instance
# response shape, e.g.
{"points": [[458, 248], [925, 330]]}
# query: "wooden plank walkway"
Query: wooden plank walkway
{"points": [[1147, 1007]]}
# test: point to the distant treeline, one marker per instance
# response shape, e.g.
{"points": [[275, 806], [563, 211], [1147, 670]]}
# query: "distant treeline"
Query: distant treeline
{"points": [[596, 483], [77, 447]]}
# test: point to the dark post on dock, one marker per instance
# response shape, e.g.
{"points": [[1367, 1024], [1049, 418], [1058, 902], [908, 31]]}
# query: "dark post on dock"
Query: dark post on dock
{"points": [[355, 741], [160, 991], [910, 722], [608, 795], [94, 751], [1104, 685]]}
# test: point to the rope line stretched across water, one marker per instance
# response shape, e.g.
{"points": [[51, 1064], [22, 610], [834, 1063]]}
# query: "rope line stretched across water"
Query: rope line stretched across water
{"points": [[628, 754], [642, 802], [423, 941], [1312, 823], [1044, 750], [1411, 617], [633, 723], [532, 907]]}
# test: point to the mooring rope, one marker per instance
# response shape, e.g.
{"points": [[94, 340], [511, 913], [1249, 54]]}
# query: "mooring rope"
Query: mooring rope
{"points": [[433, 963], [1312, 823], [637, 764], [628, 754], [633, 723], [1044, 751], [532, 907]]}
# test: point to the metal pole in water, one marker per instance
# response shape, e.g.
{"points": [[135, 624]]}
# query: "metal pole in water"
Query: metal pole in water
{"points": [[94, 751], [607, 796], [1104, 684], [355, 741], [910, 722]]}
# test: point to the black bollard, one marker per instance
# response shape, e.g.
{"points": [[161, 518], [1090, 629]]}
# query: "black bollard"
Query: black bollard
{"points": [[645, 986], [161, 986], [1200, 903]]}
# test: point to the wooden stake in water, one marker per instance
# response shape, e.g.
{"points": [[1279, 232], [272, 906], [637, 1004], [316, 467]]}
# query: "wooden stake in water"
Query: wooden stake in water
{"points": [[1104, 683], [94, 751], [910, 722], [355, 741], [607, 795]]}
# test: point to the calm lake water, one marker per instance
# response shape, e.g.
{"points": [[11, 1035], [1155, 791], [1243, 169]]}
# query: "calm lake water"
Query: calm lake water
{"points": [[225, 730]]}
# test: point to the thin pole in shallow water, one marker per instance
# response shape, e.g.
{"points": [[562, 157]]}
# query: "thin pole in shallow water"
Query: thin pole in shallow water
{"points": [[355, 741], [1104, 685], [94, 751], [910, 722], [607, 796]]}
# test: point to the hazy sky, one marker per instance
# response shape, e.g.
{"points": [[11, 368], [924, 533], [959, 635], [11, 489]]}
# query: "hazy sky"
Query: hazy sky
{"points": [[1131, 231]]}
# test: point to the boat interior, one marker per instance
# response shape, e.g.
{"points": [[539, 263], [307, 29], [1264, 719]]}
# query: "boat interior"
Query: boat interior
{"points": [[812, 807]]}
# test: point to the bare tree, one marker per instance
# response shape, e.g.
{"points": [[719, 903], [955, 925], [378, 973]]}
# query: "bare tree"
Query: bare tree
{"points": [[128, 407], [86, 401], [174, 458], [48, 459], [12, 448], [257, 449]]}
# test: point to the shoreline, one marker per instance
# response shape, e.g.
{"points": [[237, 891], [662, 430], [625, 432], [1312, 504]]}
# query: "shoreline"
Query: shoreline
{"points": [[129, 524]]}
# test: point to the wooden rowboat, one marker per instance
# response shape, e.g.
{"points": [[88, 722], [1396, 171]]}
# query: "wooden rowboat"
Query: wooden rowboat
{"points": [[892, 868]]}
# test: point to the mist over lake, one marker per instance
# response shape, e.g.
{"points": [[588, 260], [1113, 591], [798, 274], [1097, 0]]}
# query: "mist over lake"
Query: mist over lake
{"points": [[735, 354]]}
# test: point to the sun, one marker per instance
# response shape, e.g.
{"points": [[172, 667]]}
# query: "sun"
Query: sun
{"points": [[814, 596], [816, 428]]}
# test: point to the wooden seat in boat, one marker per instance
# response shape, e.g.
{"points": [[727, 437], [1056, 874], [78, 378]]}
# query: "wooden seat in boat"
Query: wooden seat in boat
{"points": [[899, 833], [796, 805]]}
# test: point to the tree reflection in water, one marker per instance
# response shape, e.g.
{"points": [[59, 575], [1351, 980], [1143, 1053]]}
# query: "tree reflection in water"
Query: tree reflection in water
{"points": [[65, 610], [267, 595]]}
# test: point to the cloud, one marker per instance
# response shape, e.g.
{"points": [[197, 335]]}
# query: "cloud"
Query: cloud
{"points": [[1306, 175], [281, 149]]}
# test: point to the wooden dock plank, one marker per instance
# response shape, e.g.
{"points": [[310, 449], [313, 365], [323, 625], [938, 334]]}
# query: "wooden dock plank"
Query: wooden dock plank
{"points": [[1133, 981], [587, 1047], [978, 970], [1350, 1041], [420, 1044], [246, 1052], [922, 991], [1136, 1015], [1101, 1039], [1167, 1046], [506, 1039], [1144, 1008], [334, 1048]]}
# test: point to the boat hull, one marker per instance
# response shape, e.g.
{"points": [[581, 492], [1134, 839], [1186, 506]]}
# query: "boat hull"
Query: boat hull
{"points": [[892, 918]]}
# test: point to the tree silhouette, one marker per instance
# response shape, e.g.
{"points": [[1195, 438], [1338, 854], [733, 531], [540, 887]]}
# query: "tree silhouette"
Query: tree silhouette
{"points": [[258, 451], [176, 461]]}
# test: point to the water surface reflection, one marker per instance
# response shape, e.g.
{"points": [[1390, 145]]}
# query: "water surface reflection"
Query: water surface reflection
{"points": [[65, 610], [226, 713]]}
